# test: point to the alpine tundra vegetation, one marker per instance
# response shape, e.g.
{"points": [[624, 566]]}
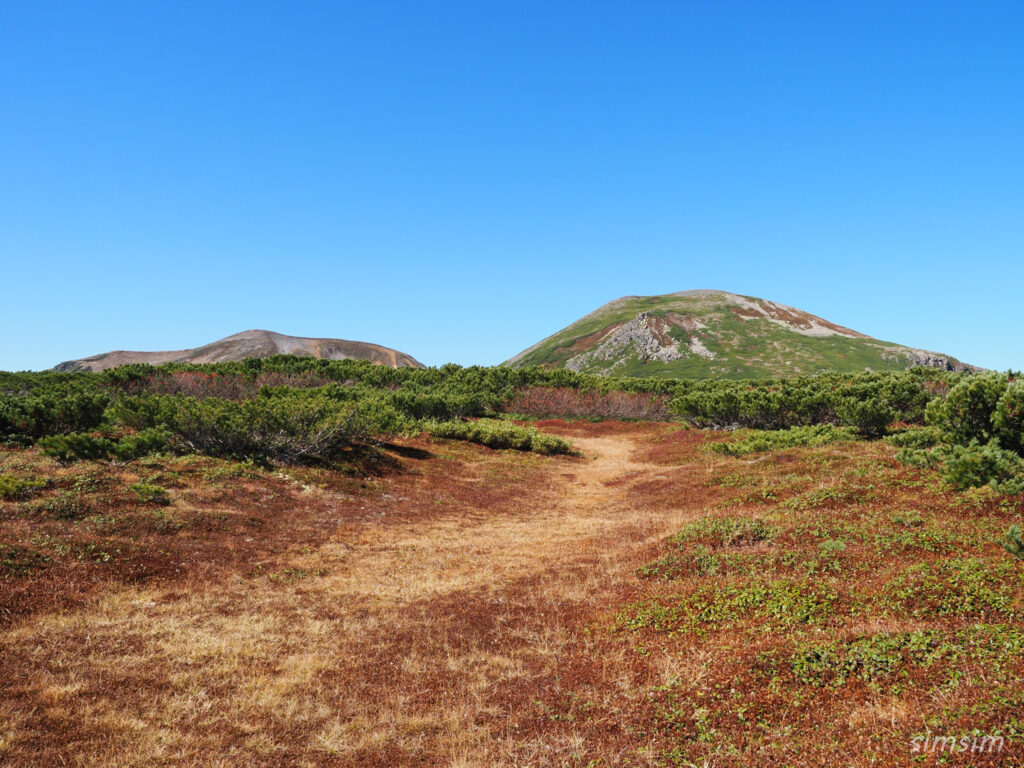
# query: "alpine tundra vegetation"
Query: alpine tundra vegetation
{"points": [[707, 333], [290, 560]]}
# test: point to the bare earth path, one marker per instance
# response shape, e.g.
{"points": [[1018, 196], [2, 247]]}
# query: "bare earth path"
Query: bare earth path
{"points": [[581, 515], [404, 639]]}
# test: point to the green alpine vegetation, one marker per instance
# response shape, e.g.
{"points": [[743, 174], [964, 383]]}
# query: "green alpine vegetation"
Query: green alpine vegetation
{"points": [[716, 334]]}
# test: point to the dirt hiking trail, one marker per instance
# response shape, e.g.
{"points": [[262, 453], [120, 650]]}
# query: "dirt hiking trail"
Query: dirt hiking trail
{"points": [[417, 633]]}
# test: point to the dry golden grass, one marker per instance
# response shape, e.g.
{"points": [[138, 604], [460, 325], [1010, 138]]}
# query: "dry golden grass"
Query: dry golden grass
{"points": [[352, 651], [455, 612]]}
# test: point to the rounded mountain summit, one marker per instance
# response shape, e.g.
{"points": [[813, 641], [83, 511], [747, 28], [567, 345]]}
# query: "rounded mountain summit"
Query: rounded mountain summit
{"points": [[717, 334], [251, 344]]}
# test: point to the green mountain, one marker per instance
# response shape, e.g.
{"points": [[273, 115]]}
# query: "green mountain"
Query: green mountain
{"points": [[716, 334]]}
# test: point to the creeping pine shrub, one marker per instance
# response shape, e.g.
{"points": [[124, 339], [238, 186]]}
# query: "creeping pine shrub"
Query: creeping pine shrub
{"points": [[496, 434], [915, 438], [84, 447], [281, 426], [145, 443], [12, 487], [442, 406], [757, 441], [970, 466], [1008, 418], [148, 493], [50, 412], [868, 401], [919, 458], [870, 417], [1012, 542], [965, 414], [76, 447]]}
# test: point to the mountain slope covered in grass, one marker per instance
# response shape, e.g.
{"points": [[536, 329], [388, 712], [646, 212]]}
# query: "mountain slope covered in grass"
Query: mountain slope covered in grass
{"points": [[708, 333]]}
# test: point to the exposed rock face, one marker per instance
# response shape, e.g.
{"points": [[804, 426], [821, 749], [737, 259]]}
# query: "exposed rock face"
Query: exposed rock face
{"points": [[250, 344], [647, 337], [696, 346], [927, 359]]}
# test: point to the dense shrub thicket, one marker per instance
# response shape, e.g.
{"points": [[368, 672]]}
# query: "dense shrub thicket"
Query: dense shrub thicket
{"points": [[281, 408], [969, 426], [56, 409], [284, 426], [567, 402], [976, 434], [869, 402], [295, 371], [292, 410], [275, 410]]}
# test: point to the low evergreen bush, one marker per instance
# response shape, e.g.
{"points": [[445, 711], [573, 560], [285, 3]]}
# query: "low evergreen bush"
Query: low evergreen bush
{"points": [[300, 426], [870, 417], [76, 447], [970, 466], [12, 488], [1008, 418], [915, 438], [775, 440], [498, 434], [965, 414]]}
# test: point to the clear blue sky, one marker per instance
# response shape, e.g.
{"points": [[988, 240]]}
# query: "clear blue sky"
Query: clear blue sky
{"points": [[458, 180]]}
